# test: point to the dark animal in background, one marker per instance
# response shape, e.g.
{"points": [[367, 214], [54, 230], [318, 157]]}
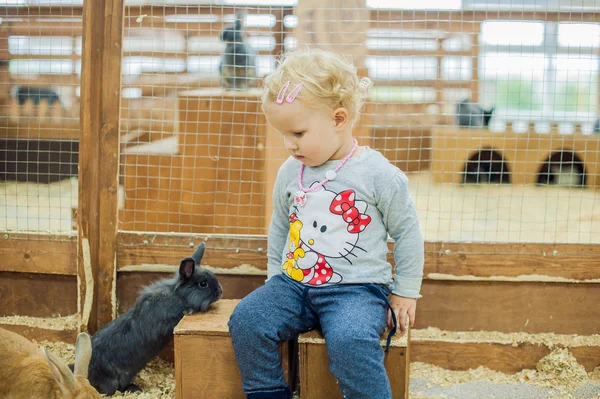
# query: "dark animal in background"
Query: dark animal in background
{"points": [[469, 114], [238, 60], [36, 94], [480, 173], [124, 346], [563, 168], [486, 166], [597, 126], [566, 176]]}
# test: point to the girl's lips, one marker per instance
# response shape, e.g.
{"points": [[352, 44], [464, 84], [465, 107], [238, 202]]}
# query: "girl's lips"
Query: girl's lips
{"points": [[299, 156]]}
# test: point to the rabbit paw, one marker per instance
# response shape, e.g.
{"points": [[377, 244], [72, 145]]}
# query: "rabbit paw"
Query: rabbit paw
{"points": [[132, 388]]}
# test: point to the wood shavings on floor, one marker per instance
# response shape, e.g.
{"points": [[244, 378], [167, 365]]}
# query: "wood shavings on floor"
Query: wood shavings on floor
{"points": [[48, 323], [558, 371], [550, 340], [157, 379]]}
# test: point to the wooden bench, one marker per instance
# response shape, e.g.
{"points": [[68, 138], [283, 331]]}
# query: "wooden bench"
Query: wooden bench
{"points": [[316, 382], [205, 365]]}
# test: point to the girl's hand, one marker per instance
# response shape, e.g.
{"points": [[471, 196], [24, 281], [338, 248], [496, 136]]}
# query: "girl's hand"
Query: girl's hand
{"points": [[403, 307]]}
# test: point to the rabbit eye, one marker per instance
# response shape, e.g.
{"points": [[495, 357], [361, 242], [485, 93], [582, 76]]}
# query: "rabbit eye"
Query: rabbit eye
{"points": [[203, 284]]}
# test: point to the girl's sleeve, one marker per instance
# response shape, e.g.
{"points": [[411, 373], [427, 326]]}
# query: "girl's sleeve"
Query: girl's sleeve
{"points": [[278, 228], [402, 223]]}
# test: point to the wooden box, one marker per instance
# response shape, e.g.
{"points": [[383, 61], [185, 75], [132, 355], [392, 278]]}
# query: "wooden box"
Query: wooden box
{"points": [[316, 382], [205, 365]]}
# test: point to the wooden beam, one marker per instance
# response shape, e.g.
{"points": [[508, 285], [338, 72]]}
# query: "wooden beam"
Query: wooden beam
{"points": [[129, 285], [567, 261], [572, 261], [31, 27], [72, 57], [50, 255], [433, 83], [532, 307], [440, 19], [223, 251], [16, 11], [45, 80], [37, 128], [99, 160]]}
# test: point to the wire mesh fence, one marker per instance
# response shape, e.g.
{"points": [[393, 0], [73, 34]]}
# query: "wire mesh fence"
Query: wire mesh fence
{"points": [[39, 115], [490, 108]]}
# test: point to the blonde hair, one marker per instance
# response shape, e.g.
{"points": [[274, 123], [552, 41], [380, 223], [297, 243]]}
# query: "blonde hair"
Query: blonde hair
{"points": [[327, 80]]}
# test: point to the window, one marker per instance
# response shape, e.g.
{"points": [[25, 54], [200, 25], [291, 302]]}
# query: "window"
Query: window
{"points": [[540, 70]]}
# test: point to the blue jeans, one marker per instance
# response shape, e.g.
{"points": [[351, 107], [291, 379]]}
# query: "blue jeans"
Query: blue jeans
{"points": [[352, 319]]}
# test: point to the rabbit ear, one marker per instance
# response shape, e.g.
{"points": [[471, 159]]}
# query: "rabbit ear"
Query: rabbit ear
{"points": [[240, 15], [186, 268], [83, 354], [60, 371], [199, 253]]}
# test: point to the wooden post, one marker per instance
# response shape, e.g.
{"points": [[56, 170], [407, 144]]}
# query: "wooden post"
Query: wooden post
{"points": [[336, 25], [99, 161]]}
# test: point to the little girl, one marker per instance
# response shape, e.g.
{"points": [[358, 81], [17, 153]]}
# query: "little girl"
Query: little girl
{"points": [[335, 203]]}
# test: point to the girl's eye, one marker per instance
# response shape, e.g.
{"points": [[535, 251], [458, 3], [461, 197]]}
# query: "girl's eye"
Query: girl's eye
{"points": [[298, 134], [203, 284]]}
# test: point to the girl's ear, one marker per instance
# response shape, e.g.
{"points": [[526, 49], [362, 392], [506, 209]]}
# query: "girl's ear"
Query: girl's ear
{"points": [[340, 117]]}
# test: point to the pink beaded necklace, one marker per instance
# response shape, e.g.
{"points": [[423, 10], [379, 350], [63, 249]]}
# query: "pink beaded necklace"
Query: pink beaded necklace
{"points": [[300, 197]]}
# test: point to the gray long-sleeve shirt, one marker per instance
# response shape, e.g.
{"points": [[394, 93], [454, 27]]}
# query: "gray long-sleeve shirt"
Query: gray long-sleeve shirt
{"points": [[339, 236]]}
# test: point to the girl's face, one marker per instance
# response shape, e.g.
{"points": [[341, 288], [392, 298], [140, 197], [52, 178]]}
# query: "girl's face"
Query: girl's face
{"points": [[312, 136]]}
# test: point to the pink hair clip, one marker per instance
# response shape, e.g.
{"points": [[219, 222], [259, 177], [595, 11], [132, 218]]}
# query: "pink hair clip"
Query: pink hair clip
{"points": [[291, 97], [364, 84]]}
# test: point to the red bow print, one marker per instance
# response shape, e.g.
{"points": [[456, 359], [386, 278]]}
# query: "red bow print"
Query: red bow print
{"points": [[343, 204]]}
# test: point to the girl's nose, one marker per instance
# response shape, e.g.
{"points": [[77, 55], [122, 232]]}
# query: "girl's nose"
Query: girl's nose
{"points": [[289, 144]]}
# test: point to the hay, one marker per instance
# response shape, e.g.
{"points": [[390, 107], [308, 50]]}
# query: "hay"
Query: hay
{"points": [[558, 370], [48, 323], [550, 340], [537, 278], [157, 381]]}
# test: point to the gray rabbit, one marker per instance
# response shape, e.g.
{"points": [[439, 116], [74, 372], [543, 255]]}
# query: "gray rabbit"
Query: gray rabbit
{"points": [[469, 114], [124, 346], [238, 60]]}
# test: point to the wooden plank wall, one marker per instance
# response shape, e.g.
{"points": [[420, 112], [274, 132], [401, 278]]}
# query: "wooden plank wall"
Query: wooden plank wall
{"points": [[467, 287]]}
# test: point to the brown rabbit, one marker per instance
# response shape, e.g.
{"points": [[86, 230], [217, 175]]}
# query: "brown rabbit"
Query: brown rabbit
{"points": [[28, 371]]}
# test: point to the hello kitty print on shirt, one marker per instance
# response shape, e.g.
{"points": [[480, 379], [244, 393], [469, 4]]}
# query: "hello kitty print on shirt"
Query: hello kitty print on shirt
{"points": [[323, 232]]}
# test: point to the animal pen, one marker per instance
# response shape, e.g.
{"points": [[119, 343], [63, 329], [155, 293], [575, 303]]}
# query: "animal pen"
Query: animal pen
{"points": [[121, 152]]}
